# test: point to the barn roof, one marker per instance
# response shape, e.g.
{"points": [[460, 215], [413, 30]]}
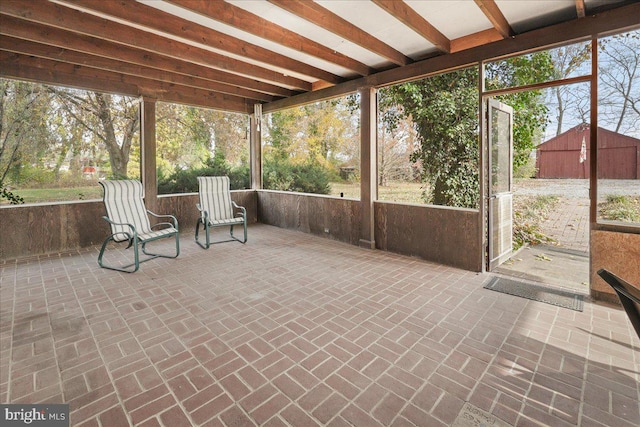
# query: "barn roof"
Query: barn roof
{"points": [[572, 139]]}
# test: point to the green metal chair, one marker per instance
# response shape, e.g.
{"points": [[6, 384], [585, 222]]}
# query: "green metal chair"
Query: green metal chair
{"points": [[217, 209], [129, 221]]}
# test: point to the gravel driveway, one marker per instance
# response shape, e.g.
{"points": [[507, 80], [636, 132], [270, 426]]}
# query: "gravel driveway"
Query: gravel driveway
{"points": [[576, 188]]}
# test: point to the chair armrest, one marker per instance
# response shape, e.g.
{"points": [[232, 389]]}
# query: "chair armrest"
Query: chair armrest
{"points": [[174, 220], [204, 214], [130, 235], [244, 211], [106, 218]]}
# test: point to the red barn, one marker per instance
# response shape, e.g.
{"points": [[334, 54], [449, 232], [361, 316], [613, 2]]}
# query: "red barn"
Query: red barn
{"points": [[565, 157]]}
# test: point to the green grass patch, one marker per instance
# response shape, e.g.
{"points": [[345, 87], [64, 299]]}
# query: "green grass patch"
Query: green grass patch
{"points": [[620, 208], [394, 191], [350, 190], [45, 195]]}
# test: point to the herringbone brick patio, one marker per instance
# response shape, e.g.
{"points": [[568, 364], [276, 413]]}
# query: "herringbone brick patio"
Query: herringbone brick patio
{"points": [[296, 330]]}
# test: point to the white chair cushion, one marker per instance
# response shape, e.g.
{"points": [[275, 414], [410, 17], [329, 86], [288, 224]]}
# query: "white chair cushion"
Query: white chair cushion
{"points": [[215, 199], [124, 204]]}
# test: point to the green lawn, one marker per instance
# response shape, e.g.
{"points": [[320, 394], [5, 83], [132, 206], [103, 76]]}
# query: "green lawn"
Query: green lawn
{"points": [[43, 195], [401, 192], [407, 192]]}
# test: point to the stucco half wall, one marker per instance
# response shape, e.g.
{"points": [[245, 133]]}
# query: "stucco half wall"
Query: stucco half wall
{"points": [[445, 235], [39, 229], [449, 236], [328, 216], [620, 254]]}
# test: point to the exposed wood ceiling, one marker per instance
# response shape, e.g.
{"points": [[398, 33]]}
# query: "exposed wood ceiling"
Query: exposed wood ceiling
{"points": [[233, 54]]}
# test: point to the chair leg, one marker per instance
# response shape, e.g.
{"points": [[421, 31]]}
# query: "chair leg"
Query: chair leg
{"points": [[245, 234], [206, 230], [245, 231], [163, 255], [136, 255], [125, 268]]}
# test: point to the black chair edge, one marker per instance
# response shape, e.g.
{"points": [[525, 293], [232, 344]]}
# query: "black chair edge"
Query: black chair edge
{"points": [[625, 291]]}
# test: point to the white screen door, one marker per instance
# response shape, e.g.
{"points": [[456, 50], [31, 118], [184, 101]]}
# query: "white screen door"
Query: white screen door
{"points": [[500, 144]]}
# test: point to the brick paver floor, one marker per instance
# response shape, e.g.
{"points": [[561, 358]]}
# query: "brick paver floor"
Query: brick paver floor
{"points": [[296, 330], [568, 224]]}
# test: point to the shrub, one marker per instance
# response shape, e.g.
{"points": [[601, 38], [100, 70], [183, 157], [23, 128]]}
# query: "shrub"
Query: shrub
{"points": [[305, 178], [526, 170], [186, 180]]}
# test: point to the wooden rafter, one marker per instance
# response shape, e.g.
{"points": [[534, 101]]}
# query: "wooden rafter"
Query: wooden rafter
{"points": [[329, 21], [239, 18], [493, 13], [607, 22], [26, 30], [580, 9], [25, 47], [477, 39], [62, 17], [405, 14], [54, 72], [130, 47], [150, 17]]}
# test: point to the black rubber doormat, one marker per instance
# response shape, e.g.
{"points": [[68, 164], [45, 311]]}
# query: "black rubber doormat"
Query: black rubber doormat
{"points": [[536, 292]]}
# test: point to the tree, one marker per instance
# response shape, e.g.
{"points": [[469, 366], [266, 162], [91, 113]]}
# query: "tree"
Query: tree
{"points": [[566, 61], [530, 112], [304, 146], [321, 132], [230, 133], [326, 128], [23, 107], [195, 141], [280, 131], [619, 83], [184, 137], [108, 120], [444, 110], [397, 140]]}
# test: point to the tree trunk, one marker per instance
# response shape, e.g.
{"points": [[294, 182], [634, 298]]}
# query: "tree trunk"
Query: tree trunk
{"points": [[439, 193], [118, 156], [560, 111]]}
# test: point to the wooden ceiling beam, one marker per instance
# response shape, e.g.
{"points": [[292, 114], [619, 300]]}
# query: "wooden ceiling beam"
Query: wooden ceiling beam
{"points": [[15, 27], [405, 14], [22, 67], [602, 24], [494, 14], [25, 47], [477, 39], [324, 18], [150, 17], [58, 16], [237, 17], [40, 70]]}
